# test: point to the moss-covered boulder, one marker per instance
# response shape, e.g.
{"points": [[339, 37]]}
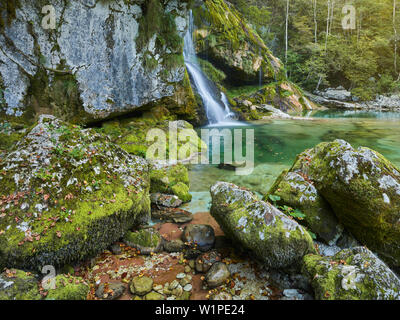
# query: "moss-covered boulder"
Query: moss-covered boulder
{"points": [[224, 37], [66, 195], [293, 190], [141, 285], [171, 180], [147, 241], [275, 239], [352, 274], [68, 288], [363, 189], [18, 285]]}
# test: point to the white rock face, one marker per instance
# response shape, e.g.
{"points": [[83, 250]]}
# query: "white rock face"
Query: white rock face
{"points": [[96, 42]]}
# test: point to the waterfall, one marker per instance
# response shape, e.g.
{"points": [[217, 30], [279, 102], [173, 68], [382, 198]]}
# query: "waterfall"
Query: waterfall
{"points": [[217, 108]]}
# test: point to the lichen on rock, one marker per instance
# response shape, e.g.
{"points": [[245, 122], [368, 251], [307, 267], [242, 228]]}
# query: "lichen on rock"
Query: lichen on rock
{"points": [[274, 239], [66, 194], [363, 189], [352, 274]]}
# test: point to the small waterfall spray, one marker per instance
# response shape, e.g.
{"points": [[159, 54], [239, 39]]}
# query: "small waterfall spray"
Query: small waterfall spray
{"points": [[217, 109]]}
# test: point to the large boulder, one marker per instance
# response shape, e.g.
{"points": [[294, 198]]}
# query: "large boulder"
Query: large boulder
{"points": [[293, 190], [352, 274], [66, 195], [362, 188], [225, 38], [103, 58], [275, 239]]}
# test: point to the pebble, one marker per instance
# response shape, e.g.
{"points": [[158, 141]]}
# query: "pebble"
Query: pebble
{"points": [[180, 275], [188, 287]]}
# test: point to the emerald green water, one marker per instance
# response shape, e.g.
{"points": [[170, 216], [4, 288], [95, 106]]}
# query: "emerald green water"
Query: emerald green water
{"points": [[278, 142]]}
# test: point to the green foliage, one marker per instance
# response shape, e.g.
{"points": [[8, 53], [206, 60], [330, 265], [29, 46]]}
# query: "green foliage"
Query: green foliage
{"points": [[362, 60]]}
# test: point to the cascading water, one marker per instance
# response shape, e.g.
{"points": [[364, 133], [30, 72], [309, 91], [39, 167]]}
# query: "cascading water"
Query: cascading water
{"points": [[217, 110]]}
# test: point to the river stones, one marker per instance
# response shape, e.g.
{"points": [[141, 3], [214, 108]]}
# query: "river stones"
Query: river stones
{"points": [[154, 296], [18, 285], [111, 291], [165, 200], [362, 188], [354, 273], [200, 236], [147, 240], [66, 195], [217, 275], [68, 288], [206, 260], [293, 190], [257, 226], [141, 285]]}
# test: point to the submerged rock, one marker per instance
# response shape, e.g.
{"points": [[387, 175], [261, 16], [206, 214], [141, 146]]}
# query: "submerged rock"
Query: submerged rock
{"points": [[199, 236], [66, 195], [147, 241], [18, 285], [274, 239], [362, 188], [352, 274], [293, 190]]}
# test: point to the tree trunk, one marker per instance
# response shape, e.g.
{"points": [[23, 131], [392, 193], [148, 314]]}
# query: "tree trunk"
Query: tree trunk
{"points": [[286, 31], [395, 36], [315, 21]]}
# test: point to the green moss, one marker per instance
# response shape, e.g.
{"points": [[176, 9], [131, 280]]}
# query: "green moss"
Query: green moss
{"points": [[20, 286], [68, 288], [144, 238], [162, 180], [212, 73], [86, 209], [181, 190]]}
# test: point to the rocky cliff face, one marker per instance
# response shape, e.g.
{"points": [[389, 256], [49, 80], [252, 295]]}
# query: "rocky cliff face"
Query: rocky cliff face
{"points": [[103, 58]]}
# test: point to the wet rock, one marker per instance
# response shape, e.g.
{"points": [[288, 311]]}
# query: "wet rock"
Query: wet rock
{"points": [[116, 248], [18, 285], [206, 260], [147, 241], [91, 192], [217, 275], [257, 226], [354, 273], [68, 288], [141, 285], [154, 296], [110, 291], [293, 190], [200, 236], [174, 215], [362, 188], [101, 83], [174, 246], [188, 287], [165, 200]]}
